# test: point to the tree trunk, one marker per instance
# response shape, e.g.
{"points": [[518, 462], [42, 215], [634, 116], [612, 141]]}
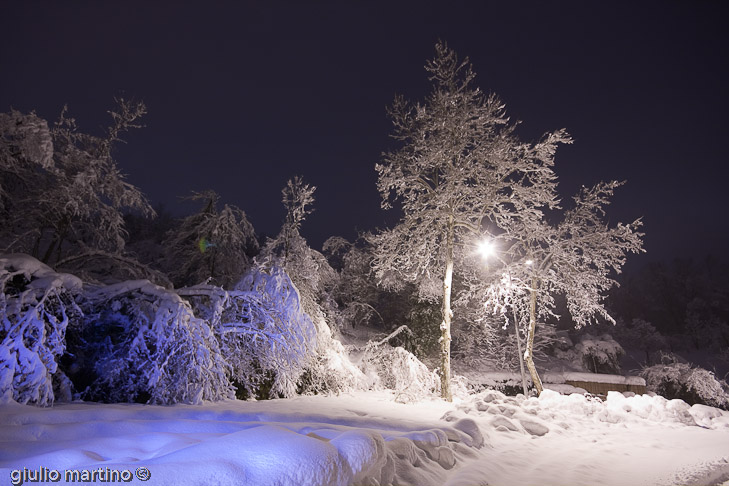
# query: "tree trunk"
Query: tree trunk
{"points": [[49, 251], [521, 355], [445, 326], [530, 338], [36, 246], [56, 240]]}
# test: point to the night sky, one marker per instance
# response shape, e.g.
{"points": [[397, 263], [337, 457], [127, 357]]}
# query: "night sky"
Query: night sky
{"points": [[245, 95]]}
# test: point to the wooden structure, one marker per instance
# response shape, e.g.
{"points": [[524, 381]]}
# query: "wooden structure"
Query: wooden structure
{"points": [[600, 385], [602, 389]]}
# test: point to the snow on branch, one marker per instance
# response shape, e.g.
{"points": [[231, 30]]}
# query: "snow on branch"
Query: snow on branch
{"points": [[262, 329], [36, 305], [153, 347]]}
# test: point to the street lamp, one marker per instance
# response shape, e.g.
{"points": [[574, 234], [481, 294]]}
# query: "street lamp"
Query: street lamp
{"points": [[485, 249]]}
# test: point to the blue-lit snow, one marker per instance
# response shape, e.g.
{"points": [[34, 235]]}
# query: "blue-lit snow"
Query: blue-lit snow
{"points": [[365, 438]]}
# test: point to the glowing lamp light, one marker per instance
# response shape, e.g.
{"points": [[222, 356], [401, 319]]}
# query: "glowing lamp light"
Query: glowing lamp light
{"points": [[485, 249]]}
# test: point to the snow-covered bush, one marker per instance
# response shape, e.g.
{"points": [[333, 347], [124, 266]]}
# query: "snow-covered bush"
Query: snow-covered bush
{"points": [[263, 331], [596, 354], [395, 368], [36, 305], [600, 354], [688, 383], [140, 342], [330, 369]]}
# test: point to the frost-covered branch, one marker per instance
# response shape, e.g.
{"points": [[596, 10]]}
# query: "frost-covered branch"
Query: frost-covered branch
{"points": [[161, 351], [61, 191], [262, 328], [36, 305]]}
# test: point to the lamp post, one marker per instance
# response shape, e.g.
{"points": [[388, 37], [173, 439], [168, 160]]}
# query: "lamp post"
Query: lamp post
{"points": [[487, 249]]}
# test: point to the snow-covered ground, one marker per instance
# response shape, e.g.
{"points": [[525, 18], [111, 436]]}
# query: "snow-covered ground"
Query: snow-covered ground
{"points": [[368, 439]]}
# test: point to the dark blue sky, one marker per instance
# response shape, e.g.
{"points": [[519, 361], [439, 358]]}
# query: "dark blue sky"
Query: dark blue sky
{"points": [[244, 95]]}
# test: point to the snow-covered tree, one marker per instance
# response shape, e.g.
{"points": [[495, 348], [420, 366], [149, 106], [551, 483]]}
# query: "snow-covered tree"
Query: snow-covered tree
{"points": [[26, 169], [687, 300], [313, 277], [36, 306], [262, 329], [141, 342], [62, 192], [26, 149], [459, 171], [298, 198], [308, 268], [641, 334], [575, 258], [705, 325], [211, 245], [355, 289]]}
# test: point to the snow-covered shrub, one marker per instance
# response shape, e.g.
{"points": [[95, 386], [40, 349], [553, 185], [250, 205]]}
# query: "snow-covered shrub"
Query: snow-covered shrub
{"points": [[330, 370], [36, 305], [396, 369], [688, 383], [263, 331], [599, 354], [140, 342]]}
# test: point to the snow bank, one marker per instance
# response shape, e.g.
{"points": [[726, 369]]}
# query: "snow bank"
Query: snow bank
{"points": [[368, 439], [511, 413], [301, 441], [575, 439]]}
